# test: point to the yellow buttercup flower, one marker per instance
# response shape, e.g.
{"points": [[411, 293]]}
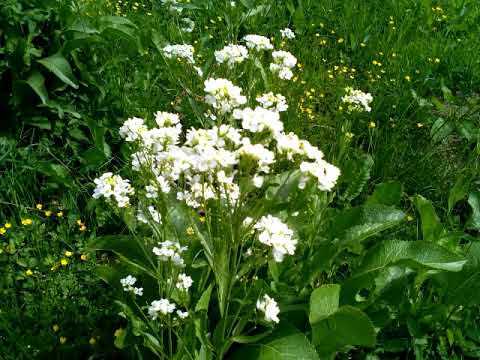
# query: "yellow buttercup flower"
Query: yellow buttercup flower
{"points": [[68, 253], [118, 332], [39, 206], [48, 213], [408, 78], [409, 217], [63, 339], [7, 225], [60, 214], [82, 228], [372, 125], [64, 262], [83, 257], [189, 231], [27, 221], [2, 230], [55, 327], [29, 272]]}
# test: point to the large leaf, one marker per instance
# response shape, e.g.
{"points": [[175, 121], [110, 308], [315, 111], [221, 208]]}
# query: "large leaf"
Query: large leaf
{"points": [[347, 326], [474, 202], [37, 82], [286, 343], [324, 302], [387, 193], [61, 68], [432, 228], [354, 225], [128, 249], [420, 254]]}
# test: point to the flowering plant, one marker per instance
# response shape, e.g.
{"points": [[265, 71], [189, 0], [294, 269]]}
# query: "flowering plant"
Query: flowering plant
{"points": [[231, 230]]}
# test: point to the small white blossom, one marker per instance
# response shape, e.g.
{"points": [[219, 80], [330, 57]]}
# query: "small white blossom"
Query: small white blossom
{"points": [[165, 119], [187, 25], [109, 185], [283, 61], [223, 95], [357, 100], [258, 42], [181, 51], [325, 173], [259, 119], [231, 54], [127, 284], [170, 250], [182, 314], [271, 101], [160, 307], [273, 232], [184, 282], [269, 307], [154, 215], [287, 33], [132, 129]]}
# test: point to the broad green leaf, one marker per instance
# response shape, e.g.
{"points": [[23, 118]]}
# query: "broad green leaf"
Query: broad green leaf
{"points": [[347, 326], [243, 339], [354, 225], [387, 193], [324, 301], [37, 82], [474, 202], [204, 300], [128, 249], [432, 228], [356, 174], [420, 254], [459, 190], [61, 68], [286, 343], [440, 130]]}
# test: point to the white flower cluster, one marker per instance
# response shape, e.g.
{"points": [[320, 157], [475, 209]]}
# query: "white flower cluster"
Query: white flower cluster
{"points": [[287, 33], [259, 119], [273, 102], [132, 129], [283, 62], [187, 25], [273, 232], [269, 307], [164, 307], [109, 185], [170, 250], [231, 54], [223, 95], [258, 42], [357, 100], [182, 51], [127, 284], [184, 282]]}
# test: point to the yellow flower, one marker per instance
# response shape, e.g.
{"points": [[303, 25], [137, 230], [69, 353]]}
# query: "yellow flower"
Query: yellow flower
{"points": [[27, 221], [349, 135], [64, 262], [2, 230], [409, 217], [202, 219], [437, 60], [419, 125], [7, 225], [48, 213], [55, 327], [60, 214], [63, 339], [190, 231], [92, 341], [83, 257], [39, 206], [118, 332], [363, 44], [82, 228], [68, 253], [340, 40], [29, 272], [372, 125], [408, 78]]}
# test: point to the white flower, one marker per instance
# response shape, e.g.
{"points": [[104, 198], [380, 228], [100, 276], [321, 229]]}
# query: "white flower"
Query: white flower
{"points": [[269, 307], [109, 185], [187, 25], [325, 173], [258, 181], [287, 33], [259, 120], [127, 284], [170, 250], [182, 314], [165, 119], [132, 129], [357, 100], [162, 306], [258, 153], [151, 192], [182, 51], [273, 232], [258, 42], [273, 102], [198, 70], [184, 282], [283, 61], [154, 215], [223, 95], [231, 54]]}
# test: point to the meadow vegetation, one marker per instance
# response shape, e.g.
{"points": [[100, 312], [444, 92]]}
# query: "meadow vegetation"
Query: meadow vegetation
{"points": [[261, 179]]}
